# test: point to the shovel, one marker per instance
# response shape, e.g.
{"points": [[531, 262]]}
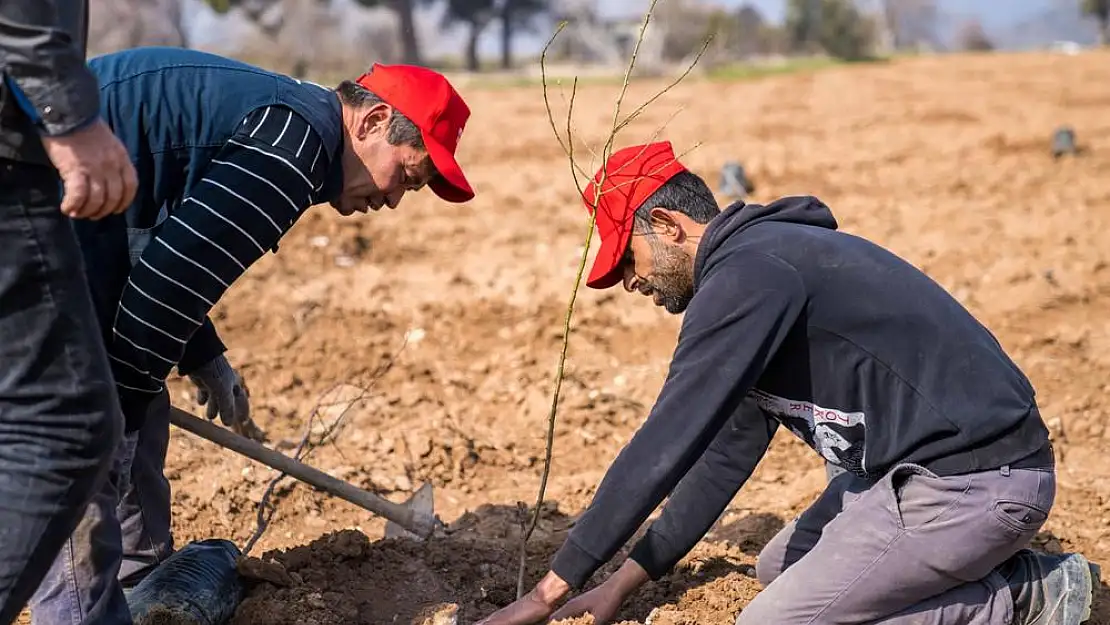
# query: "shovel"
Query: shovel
{"points": [[414, 518]]}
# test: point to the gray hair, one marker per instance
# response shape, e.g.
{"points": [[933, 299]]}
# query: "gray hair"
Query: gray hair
{"points": [[401, 129]]}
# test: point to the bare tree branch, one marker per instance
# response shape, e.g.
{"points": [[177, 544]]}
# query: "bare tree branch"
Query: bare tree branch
{"points": [[607, 151], [266, 507]]}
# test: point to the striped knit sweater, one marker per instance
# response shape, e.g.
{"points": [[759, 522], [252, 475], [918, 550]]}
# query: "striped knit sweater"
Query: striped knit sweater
{"points": [[256, 187]]}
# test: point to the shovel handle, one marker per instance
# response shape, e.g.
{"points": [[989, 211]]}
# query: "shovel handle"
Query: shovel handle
{"points": [[416, 522]]}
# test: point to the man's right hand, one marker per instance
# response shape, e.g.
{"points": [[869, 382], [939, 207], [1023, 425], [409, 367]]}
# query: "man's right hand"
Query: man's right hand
{"points": [[97, 173], [605, 601]]}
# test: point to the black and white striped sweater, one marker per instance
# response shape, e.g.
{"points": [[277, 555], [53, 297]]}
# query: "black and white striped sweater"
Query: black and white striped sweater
{"points": [[257, 186]]}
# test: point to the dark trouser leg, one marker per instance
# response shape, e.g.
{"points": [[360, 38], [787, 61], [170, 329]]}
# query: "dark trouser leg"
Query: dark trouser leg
{"points": [[124, 532], [81, 587], [913, 548], [832, 471], [144, 511], [59, 417]]}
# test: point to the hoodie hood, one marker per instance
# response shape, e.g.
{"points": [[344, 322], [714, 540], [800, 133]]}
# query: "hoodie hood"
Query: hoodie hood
{"points": [[804, 210]]}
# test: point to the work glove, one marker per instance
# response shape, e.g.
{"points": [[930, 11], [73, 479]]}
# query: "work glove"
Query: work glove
{"points": [[223, 390]]}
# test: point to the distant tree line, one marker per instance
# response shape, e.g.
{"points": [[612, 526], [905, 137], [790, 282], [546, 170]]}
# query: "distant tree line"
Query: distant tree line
{"points": [[476, 15], [843, 29]]}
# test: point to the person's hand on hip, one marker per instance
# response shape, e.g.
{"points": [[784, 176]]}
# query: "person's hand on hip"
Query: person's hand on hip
{"points": [[96, 171]]}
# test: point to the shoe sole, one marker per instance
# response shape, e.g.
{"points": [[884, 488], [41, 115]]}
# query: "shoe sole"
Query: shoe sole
{"points": [[1087, 574], [1094, 572]]}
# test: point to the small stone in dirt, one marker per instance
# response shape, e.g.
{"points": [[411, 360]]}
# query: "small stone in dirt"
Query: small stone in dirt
{"points": [[439, 614], [349, 544], [267, 571]]}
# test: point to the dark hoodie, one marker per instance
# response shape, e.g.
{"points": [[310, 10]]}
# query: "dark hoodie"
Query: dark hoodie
{"points": [[857, 352]]}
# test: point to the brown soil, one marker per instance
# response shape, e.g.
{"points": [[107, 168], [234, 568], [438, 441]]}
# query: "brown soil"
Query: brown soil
{"points": [[945, 161]]}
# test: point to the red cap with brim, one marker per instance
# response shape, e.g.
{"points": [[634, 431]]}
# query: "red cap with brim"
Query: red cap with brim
{"points": [[631, 176], [451, 185], [428, 99]]}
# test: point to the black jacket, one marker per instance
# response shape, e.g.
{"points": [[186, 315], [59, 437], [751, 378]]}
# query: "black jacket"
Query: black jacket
{"points": [[42, 52], [859, 353]]}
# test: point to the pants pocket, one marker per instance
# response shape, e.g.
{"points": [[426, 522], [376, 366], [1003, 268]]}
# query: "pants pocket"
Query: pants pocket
{"points": [[1019, 516], [139, 238], [920, 497]]}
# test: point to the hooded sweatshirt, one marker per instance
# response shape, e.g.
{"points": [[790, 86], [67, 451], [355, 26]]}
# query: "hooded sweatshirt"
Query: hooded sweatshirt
{"points": [[857, 352]]}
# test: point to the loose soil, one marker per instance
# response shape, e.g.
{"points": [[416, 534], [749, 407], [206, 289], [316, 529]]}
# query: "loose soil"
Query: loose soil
{"points": [[445, 321]]}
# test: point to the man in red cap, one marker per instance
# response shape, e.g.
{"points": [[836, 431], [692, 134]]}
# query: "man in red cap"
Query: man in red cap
{"points": [[228, 156], [947, 468]]}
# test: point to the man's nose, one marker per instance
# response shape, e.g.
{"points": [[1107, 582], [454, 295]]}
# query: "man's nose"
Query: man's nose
{"points": [[631, 282]]}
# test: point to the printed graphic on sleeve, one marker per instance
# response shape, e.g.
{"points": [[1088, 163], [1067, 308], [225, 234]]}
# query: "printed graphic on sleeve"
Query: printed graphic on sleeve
{"points": [[838, 436]]}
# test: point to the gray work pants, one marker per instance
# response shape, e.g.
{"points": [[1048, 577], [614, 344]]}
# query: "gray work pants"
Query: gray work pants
{"points": [[909, 548]]}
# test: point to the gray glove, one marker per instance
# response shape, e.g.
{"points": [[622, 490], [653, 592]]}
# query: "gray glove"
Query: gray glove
{"points": [[222, 389]]}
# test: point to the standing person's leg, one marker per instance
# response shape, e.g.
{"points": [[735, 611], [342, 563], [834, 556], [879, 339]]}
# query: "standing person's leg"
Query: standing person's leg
{"points": [[144, 511], [915, 548], [59, 417], [81, 587]]}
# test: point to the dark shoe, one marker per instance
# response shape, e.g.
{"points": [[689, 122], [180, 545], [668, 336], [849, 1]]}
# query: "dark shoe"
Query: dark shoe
{"points": [[1051, 589]]}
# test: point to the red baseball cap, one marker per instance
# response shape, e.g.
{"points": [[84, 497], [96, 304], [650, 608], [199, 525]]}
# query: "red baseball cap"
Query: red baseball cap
{"points": [[428, 99], [631, 176]]}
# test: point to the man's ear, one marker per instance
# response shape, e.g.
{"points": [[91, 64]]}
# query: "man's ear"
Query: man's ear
{"points": [[664, 225], [374, 120]]}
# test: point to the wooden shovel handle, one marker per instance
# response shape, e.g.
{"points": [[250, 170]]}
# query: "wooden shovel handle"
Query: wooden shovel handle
{"points": [[419, 523]]}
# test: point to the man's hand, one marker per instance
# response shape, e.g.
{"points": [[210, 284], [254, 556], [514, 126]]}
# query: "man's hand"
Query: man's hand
{"points": [[97, 173], [534, 607], [604, 601], [223, 390]]}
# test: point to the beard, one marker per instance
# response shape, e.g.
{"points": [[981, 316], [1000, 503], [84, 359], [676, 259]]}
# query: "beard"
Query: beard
{"points": [[672, 277]]}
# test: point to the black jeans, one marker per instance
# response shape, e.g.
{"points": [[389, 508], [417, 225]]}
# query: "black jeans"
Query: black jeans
{"points": [[60, 420], [123, 535]]}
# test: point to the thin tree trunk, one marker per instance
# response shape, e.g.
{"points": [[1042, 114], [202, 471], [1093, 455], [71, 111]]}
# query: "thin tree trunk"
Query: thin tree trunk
{"points": [[506, 38], [410, 47], [472, 62]]}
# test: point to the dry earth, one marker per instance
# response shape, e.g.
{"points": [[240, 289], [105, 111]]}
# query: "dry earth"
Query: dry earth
{"points": [[944, 160]]}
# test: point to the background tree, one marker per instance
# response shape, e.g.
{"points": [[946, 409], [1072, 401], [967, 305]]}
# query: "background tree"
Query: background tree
{"points": [[290, 36], [753, 34], [844, 32], [1100, 11], [683, 25], [517, 15], [406, 17], [476, 15], [911, 23], [971, 36], [803, 18], [270, 16], [119, 24]]}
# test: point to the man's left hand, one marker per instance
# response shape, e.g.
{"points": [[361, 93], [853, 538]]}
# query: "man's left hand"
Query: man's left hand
{"points": [[534, 607], [223, 390], [602, 603], [605, 601]]}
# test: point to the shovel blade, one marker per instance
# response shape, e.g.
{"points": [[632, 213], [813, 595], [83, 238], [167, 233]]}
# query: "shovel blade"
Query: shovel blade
{"points": [[421, 502]]}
